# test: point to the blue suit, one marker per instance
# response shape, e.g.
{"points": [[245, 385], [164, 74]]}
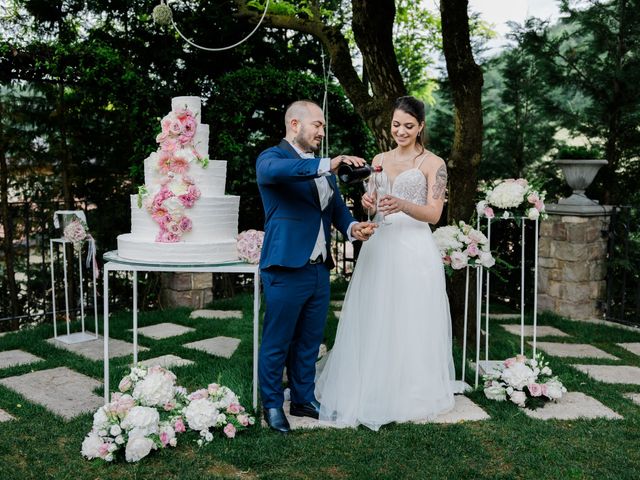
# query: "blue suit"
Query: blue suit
{"points": [[296, 292]]}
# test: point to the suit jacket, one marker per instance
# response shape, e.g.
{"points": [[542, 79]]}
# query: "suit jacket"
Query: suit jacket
{"points": [[292, 207]]}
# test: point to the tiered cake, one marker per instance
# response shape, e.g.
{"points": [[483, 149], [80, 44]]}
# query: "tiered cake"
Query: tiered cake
{"points": [[181, 214]]}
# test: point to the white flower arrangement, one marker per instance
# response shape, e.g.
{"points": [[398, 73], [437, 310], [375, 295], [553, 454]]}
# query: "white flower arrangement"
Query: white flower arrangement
{"points": [[525, 382], [150, 410], [511, 198], [461, 245]]}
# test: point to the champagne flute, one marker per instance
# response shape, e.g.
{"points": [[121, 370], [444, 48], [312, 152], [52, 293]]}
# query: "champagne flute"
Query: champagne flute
{"points": [[383, 187], [370, 188]]}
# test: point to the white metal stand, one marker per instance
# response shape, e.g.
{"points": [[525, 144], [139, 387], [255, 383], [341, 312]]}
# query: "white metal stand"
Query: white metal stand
{"points": [[463, 386], [115, 263], [81, 336], [489, 365]]}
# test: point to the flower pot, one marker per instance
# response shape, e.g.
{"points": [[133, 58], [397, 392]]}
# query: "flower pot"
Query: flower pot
{"points": [[579, 174]]}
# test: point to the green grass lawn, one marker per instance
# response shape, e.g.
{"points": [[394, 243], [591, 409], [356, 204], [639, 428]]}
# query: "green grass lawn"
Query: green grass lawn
{"points": [[508, 446]]}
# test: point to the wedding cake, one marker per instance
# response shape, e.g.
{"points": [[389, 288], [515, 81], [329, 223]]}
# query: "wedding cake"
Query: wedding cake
{"points": [[181, 213]]}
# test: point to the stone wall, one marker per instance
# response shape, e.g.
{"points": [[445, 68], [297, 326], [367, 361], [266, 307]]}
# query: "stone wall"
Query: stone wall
{"points": [[572, 256], [193, 290]]}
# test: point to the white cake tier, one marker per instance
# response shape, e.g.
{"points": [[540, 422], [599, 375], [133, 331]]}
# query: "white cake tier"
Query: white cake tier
{"points": [[133, 247], [209, 180], [201, 139], [213, 218], [190, 103]]}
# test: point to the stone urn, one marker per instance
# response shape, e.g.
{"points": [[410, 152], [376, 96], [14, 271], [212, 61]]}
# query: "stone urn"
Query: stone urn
{"points": [[579, 174]]}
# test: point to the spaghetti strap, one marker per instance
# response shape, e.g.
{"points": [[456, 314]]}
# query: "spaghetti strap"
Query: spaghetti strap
{"points": [[424, 155], [381, 158]]}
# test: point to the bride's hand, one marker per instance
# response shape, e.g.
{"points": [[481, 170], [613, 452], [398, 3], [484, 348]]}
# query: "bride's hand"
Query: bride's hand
{"points": [[390, 204], [368, 201]]}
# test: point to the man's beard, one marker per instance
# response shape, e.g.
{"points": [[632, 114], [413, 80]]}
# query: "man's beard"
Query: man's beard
{"points": [[303, 144]]}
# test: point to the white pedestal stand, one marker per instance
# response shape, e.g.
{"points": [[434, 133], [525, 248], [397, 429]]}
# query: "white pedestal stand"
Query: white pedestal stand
{"points": [[462, 386], [488, 366], [81, 336]]}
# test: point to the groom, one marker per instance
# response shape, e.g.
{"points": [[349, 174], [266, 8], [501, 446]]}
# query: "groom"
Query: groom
{"points": [[301, 201]]}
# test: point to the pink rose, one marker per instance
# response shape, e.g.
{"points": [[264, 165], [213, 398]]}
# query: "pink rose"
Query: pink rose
{"points": [[103, 450], [199, 394], [169, 406], [169, 145], [488, 212], [187, 200], [175, 128], [189, 127], [179, 426], [194, 190], [539, 205], [244, 420], [543, 389], [472, 250], [230, 430], [125, 384], [509, 362], [533, 198], [535, 389], [213, 388], [233, 408], [165, 123], [447, 260], [164, 438], [185, 224]]}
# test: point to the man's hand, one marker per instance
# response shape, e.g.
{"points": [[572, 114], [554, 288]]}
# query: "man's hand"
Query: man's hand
{"points": [[349, 159], [363, 230]]}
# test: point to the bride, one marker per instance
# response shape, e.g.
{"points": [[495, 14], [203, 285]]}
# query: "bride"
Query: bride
{"points": [[391, 360]]}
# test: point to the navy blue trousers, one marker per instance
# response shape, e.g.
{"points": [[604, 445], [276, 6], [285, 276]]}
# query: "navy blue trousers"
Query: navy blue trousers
{"points": [[297, 302]]}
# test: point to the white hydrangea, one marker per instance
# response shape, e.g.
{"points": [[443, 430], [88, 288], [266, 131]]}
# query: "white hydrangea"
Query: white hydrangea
{"points": [[201, 414], [91, 446], [555, 389], [507, 195], [155, 390], [141, 421], [494, 391], [100, 420], [518, 376], [138, 447], [447, 238]]}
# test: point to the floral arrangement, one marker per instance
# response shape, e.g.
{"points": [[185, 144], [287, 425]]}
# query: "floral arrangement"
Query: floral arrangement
{"points": [[511, 198], [250, 245], [76, 231], [525, 382], [173, 161], [461, 246], [150, 411]]}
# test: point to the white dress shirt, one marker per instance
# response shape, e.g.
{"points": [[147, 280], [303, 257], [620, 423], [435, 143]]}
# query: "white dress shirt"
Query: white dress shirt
{"points": [[325, 193]]}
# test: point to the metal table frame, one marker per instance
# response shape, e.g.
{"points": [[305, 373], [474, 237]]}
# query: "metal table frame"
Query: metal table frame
{"points": [[115, 263]]}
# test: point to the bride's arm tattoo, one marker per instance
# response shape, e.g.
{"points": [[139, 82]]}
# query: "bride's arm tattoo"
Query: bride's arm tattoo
{"points": [[440, 185]]}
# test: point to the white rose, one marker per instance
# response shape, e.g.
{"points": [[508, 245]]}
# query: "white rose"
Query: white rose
{"points": [[505, 215], [518, 375], [459, 260], [138, 447], [486, 259], [222, 419], [546, 371], [555, 389], [480, 206], [495, 392], [119, 440], [201, 414], [533, 214], [141, 421], [478, 237], [100, 419], [156, 389], [208, 436], [115, 430], [519, 398], [109, 458], [91, 446]]}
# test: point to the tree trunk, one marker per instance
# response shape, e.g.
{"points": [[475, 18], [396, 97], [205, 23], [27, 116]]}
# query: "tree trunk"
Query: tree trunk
{"points": [[466, 84], [7, 242]]}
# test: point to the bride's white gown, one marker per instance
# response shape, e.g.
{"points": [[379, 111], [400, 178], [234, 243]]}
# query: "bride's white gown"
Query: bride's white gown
{"points": [[391, 361]]}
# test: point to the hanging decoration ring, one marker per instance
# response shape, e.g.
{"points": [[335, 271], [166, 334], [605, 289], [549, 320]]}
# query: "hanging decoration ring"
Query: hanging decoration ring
{"points": [[163, 15]]}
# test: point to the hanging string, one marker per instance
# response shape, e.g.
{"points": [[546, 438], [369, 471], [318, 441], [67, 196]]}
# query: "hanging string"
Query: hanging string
{"points": [[163, 15], [324, 149]]}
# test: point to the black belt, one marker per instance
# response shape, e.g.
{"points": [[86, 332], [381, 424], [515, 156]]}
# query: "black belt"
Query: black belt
{"points": [[315, 261]]}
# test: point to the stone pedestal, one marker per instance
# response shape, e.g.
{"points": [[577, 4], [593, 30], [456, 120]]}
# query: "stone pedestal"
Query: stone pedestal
{"points": [[572, 261], [193, 290]]}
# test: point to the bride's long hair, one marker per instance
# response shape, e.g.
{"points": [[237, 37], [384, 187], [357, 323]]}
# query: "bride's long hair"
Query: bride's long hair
{"points": [[415, 108]]}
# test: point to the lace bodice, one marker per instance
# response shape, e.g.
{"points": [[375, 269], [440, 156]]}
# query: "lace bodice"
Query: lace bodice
{"points": [[411, 185]]}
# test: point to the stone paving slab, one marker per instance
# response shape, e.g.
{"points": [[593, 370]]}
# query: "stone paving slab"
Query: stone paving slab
{"points": [[571, 406], [164, 330], [624, 374], [502, 316], [4, 416], [632, 347], [61, 390], [464, 410], [218, 346], [336, 303], [94, 349], [12, 358], [634, 397], [576, 350], [216, 314], [541, 330], [166, 361]]}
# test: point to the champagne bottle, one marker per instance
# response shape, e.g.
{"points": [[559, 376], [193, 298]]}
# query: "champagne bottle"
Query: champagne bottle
{"points": [[352, 174]]}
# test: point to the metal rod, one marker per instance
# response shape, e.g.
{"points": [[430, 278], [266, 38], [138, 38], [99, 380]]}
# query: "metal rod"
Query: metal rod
{"points": [[81, 289], [464, 328], [53, 290], [522, 267], [135, 318], [535, 289], [486, 315], [66, 286], [105, 330]]}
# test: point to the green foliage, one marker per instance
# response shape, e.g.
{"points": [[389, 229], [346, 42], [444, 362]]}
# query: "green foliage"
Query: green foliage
{"points": [[571, 152]]}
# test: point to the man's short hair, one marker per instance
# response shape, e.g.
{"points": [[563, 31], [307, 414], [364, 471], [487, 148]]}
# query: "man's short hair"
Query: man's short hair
{"points": [[297, 110]]}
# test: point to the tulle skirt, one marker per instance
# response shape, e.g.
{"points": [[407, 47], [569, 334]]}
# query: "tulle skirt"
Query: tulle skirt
{"points": [[391, 361]]}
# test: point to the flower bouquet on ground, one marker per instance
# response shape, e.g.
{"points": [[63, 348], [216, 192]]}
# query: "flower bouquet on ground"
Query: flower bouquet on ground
{"points": [[149, 412], [461, 245], [525, 382], [250, 245], [510, 198]]}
